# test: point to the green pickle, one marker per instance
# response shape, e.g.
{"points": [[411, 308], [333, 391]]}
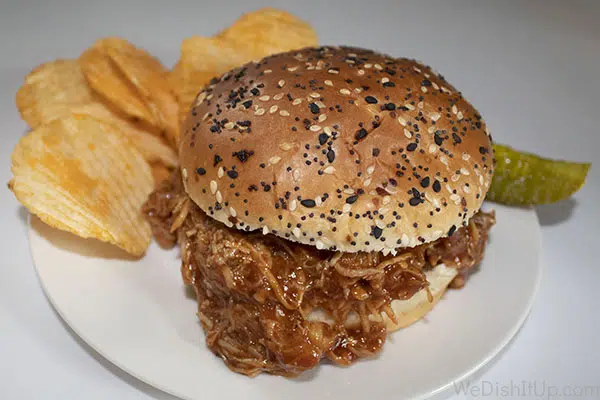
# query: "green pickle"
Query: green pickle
{"points": [[526, 179]]}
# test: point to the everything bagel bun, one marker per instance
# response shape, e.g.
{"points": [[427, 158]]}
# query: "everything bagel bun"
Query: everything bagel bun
{"points": [[340, 148]]}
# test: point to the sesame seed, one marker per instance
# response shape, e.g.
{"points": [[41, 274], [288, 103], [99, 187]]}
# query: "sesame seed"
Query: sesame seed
{"points": [[466, 156], [327, 130], [205, 116], [229, 125], [329, 170], [315, 95], [454, 109], [267, 71], [284, 113], [345, 91], [371, 169], [296, 232], [274, 160], [333, 71], [219, 197], [402, 121], [221, 172], [259, 111], [346, 208], [328, 82], [423, 89], [435, 116], [361, 72], [367, 182], [459, 115], [273, 109], [265, 230], [368, 65], [379, 67], [320, 104], [409, 106], [464, 171], [184, 173], [278, 96], [318, 201], [320, 244], [281, 83], [232, 212], [293, 205], [432, 148], [264, 98], [213, 187], [285, 146], [407, 133], [296, 174], [385, 79], [357, 90], [296, 102], [315, 128], [322, 117]]}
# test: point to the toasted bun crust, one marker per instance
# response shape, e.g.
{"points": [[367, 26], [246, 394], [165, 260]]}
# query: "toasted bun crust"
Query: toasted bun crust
{"points": [[407, 311], [340, 148]]}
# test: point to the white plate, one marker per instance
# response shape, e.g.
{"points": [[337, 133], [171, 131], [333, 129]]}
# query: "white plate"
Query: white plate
{"points": [[139, 316]]}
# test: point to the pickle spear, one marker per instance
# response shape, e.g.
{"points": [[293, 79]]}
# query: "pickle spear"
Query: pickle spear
{"points": [[526, 179]]}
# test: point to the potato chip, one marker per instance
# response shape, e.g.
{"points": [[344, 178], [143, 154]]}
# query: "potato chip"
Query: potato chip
{"points": [[149, 77], [81, 175], [51, 90], [253, 36], [152, 148], [175, 79], [201, 60], [105, 78], [269, 31], [57, 89]]}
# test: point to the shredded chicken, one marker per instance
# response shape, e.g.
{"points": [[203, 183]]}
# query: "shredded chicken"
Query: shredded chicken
{"points": [[255, 291]]}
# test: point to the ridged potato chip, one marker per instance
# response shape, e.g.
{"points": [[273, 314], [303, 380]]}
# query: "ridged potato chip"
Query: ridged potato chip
{"points": [[51, 90], [253, 36], [57, 89], [149, 77], [201, 60], [81, 175], [268, 31], [134, 81], [152, 148]]}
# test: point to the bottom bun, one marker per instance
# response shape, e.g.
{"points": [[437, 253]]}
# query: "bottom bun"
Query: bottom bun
{"points": [[407, 311]]}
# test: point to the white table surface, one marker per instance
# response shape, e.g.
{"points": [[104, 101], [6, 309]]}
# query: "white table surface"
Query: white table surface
{"points": [[531, 68]]}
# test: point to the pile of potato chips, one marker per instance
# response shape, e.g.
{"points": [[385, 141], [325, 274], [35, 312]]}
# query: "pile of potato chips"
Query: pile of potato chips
{"points": [[105, 126]]}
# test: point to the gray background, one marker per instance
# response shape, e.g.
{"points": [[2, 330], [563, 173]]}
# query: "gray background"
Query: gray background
{"points": [[530, 67]]}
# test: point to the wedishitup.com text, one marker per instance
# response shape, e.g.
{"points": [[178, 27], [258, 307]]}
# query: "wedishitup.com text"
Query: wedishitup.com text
{"points": [[536, 389]]}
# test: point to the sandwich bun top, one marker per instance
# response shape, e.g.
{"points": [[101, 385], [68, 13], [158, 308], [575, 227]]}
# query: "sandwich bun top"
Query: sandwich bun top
{"points": [[340, 148]]}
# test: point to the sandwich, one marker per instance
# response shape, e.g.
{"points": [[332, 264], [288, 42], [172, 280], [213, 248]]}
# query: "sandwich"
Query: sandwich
{"points": [[325, 197]]}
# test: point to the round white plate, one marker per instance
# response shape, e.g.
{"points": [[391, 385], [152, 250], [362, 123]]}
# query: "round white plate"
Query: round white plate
{"points": [[138, 315]]}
